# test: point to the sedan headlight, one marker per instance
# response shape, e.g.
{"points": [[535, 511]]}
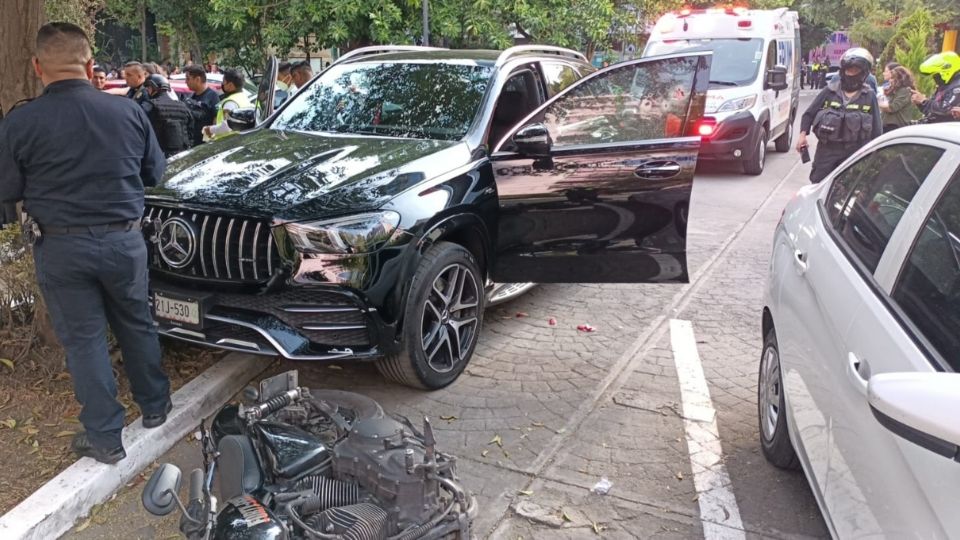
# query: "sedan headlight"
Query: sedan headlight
{"points": [[364, 233], [738, 104]]}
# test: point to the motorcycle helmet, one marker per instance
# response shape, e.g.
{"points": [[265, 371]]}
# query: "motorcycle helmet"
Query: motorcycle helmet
{"points": [[859, 58], [157, 82], [943, 66]]}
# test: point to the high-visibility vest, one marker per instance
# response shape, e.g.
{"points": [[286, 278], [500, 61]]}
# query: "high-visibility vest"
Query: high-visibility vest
{"points": [[237, 97]]}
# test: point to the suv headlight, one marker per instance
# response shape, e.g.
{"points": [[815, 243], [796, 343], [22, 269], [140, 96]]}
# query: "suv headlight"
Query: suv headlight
{"points": [[738, 104], [355, 235]]}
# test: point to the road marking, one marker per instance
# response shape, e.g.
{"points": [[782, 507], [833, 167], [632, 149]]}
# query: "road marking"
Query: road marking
{"points": [[718, 505]]}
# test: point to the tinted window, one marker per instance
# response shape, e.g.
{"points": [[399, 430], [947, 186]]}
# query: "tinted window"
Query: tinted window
{"points": [[735, 61], [432, 101], [928, 290], [771, 54], [633, 103], [867, 200], [558, 76]]}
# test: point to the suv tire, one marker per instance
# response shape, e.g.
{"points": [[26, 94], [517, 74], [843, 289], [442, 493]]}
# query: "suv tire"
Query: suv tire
{"points": [[771, 412], [442, 320], [753, 165]]}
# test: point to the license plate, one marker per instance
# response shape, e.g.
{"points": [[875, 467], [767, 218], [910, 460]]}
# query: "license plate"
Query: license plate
{"points": [[176, 309]]}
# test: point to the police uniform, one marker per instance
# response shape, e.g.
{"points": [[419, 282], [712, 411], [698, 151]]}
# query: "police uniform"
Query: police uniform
{"points": [[79, 159], [203, 107], [172, 123], [842, 126]]}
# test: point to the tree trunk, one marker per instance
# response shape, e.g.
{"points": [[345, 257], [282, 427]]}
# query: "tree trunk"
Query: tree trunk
{"points": [[19, 22]]}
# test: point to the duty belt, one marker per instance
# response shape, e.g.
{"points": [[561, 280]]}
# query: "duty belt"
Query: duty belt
{"points": [[132, 225]]}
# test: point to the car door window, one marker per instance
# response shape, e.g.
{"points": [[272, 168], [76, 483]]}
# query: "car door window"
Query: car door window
{"points": [[519, 97], [558, 77], [649, 102], [771, 54], [928, 290], [866, 201]]}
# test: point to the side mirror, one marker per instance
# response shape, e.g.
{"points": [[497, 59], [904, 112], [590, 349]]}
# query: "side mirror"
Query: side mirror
{"points": [[920, 407], [776, 78], [160, 494], [533, 140], [242, 119]]}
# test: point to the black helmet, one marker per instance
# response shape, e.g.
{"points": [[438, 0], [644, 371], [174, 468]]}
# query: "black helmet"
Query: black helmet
{"points": [[859, 58], [157, 81]]}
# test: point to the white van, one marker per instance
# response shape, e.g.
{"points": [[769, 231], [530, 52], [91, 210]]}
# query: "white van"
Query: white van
{"points": [[754, 87]]}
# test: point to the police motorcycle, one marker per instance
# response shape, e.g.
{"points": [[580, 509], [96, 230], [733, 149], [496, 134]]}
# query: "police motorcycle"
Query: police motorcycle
{"points": [[315, 464]]}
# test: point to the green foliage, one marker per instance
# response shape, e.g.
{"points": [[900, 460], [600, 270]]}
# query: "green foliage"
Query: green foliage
{"points": [[79, 12], [914, 51]]}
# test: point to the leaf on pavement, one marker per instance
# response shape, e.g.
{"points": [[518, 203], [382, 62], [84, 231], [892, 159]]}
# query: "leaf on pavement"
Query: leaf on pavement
{"points": [[9, 422], [536, 424], [84, 525], [7, 362], [564, 516], [598, 528], [680, 475], [65, 433], [525, 492], [449, 418], [484, 453], [334, 366], [497, 441]]}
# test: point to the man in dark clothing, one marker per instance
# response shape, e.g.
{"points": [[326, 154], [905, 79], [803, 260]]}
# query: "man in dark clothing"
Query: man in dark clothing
{"points": [[135, 75], [171, 120], [844, 115], [202, 103], [79, 159], [941, 107]]}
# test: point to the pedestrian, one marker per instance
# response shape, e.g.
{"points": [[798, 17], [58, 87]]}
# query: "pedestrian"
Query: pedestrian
{"points": [[301, 73], [171, 120], [283, 90], [945, 69], [81, 183], [232, 100], [202, 103], [99, 79], [135, 74], [803, 75], [844, 116], [896, 107]]}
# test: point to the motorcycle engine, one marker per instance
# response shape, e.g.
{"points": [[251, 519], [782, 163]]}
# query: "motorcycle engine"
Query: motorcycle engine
{"points": [[332, 465]]}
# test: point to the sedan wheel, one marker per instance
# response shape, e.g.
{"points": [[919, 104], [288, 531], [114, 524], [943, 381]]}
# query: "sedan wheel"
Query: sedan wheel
{"points": [[774, 435]]}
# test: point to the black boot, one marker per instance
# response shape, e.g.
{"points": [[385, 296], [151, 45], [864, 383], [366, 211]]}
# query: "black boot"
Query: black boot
{"points": [[157, 420], [82, 447]]}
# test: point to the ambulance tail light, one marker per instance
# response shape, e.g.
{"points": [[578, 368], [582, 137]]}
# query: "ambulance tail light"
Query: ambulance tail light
{"points": [[744, 23]]}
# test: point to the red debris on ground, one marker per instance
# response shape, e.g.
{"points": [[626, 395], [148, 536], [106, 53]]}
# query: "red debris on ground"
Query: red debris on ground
{"points": [[585, 328], [552, 321], [521, 315]]}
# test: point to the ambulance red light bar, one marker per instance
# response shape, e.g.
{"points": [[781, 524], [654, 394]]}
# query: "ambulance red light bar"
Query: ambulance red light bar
{"points": [[686, 12], [744, 23]]}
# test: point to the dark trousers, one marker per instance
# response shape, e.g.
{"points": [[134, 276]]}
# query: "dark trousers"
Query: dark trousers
{"points": [[88, 281], [829, 156]]}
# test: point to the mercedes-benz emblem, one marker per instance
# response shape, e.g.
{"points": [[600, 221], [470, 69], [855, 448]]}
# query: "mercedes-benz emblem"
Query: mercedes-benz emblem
{"points": [[178, 242]]}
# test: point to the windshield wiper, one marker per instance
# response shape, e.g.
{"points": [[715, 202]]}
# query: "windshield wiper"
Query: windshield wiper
{"points": [[725, 83]]}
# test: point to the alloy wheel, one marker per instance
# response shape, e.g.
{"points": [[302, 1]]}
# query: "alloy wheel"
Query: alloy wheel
{"points": [[770, 390], [449, 321]]}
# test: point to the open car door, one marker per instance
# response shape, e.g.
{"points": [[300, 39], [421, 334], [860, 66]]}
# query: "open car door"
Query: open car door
{"points": [[594, 186], [267, 91]]}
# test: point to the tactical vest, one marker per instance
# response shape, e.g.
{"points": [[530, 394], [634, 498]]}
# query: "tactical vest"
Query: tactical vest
{"points": [[171, 122], [839, 123]]}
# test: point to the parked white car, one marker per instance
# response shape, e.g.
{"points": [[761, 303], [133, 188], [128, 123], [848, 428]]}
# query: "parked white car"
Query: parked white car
{"points": [[858, 379]]}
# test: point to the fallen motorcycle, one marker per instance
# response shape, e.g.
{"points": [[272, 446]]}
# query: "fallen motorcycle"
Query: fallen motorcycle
{"points": [[315, 464]]}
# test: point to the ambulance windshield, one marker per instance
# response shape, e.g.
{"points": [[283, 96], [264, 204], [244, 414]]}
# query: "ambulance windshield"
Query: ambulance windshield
{"points": [[735, 60]]}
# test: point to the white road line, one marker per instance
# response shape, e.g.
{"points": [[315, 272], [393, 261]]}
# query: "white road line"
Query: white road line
{"points": [[718, 506]]}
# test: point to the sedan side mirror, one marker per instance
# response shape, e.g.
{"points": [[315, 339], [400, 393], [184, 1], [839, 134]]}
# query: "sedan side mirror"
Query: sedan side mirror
{"points": [[160, 494], [242, 119], [533, 140], [776, 78], [920, 407]]}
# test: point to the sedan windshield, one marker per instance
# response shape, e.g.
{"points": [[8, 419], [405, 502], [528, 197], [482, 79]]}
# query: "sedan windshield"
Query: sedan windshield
{"points": [[398, 99], [735, 61]]}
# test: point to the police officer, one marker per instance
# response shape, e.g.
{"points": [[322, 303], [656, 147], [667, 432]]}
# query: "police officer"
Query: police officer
{"points": [[171, 120], [202, 103], [82, 183], [233, 99], [135, 75], [945, 69], [843, 116]]}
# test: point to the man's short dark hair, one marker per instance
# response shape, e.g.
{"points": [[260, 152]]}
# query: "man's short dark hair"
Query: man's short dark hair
{"points": [[99, 69], [284, 67], [233, 77], [196, 71], [135, 64], [63, 43], [300, 66]]}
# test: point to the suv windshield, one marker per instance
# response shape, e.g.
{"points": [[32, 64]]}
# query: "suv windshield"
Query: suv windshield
{"points": [[735, 61], [398, 99]]}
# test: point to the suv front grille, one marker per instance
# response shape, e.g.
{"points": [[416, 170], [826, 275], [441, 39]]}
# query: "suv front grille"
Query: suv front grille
{"points": [[227, 248]]}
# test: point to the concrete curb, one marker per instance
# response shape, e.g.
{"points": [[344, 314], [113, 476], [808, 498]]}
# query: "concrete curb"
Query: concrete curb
{"points": [[52, 510]]}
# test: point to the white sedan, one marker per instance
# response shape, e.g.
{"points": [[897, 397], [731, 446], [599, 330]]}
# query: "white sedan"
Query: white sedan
{"points": [[858, 380]]}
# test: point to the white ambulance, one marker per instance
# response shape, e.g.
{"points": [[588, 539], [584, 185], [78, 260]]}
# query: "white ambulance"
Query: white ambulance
{"points": [[754, 87]]}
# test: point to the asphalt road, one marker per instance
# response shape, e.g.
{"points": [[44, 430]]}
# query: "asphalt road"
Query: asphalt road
{"points": [[626, 402]]}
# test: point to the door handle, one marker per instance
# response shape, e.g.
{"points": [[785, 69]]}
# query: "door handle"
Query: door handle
{"points": [[800, 261], [660, 170], [855, 367]]}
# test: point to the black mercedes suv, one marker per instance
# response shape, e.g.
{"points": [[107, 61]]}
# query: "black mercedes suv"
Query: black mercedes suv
{"points": [[364, 218]]}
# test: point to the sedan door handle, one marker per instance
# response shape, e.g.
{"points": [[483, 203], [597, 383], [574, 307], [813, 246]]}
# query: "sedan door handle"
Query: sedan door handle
{"points": [[800, 261], [658, 170], [855, 367]]}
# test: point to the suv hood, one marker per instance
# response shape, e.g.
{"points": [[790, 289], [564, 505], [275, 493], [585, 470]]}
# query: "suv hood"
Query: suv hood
{"points": [[293, 176]]}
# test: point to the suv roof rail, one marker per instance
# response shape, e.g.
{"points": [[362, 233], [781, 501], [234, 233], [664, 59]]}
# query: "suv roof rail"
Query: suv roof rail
{"points": [[382, 49], [538, 49]]}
